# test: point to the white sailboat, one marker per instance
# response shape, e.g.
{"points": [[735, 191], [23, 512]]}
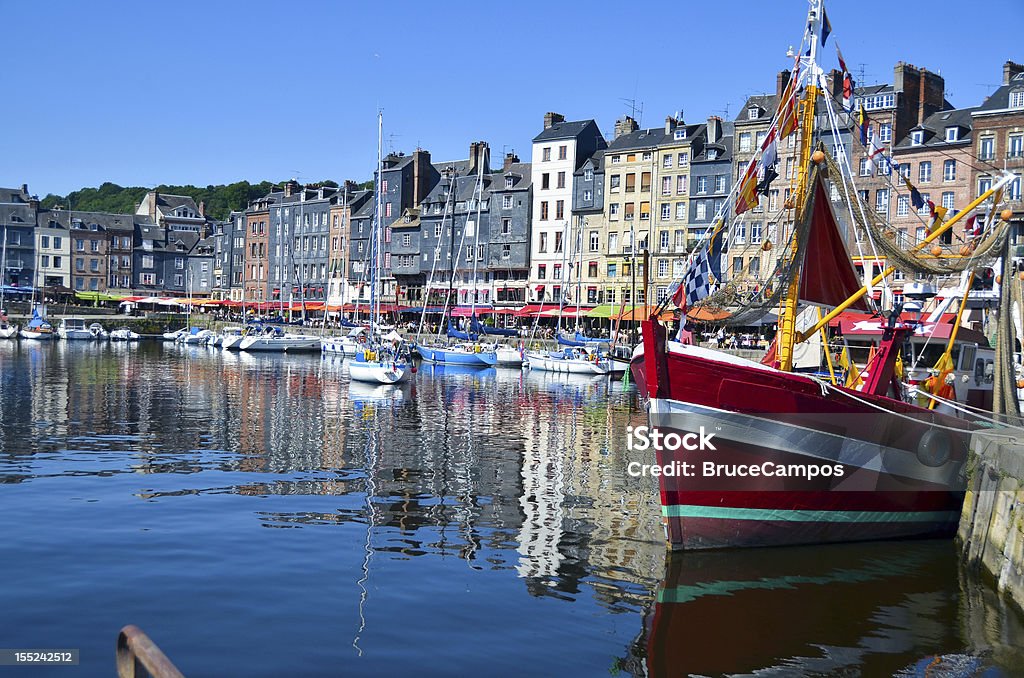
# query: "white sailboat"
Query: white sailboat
{"points": [[385, 360], [7, 330]]}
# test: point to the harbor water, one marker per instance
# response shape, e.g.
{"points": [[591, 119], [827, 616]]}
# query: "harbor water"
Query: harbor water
{"points": [[261, 515]]}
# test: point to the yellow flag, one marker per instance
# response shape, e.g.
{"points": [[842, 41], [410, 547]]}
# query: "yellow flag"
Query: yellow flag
{"points": [[899, 366], [853, 379]]}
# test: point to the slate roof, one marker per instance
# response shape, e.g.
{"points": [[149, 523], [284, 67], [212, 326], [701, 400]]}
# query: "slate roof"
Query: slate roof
{"points": [[13, 195], [1000, 99], [766, 102], [935, 129], [640, 139], [564, 130], [523, 169], [105, 220]]}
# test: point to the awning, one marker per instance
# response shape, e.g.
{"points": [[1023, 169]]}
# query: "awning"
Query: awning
{"points": [[603, 311], [467, 311], [643, 313], [532, 310]]}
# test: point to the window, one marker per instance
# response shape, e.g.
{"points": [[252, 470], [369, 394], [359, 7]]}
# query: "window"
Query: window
{"points": [[561, 180], [588, 196], [559, 209], [984, 184], [616, 159], [179, 280], [680, 210], [56, 242], [588, 174], [406, 239], [737, 266], [44, 241], [947, 200], [648, 155], [506, 226], [546, 154], [613, 182], [1013, 189], [702, 185], [613, 211], [924, 172], [45, 261], [542, 271], [720, 183], [630, 183], [562, 152], [902, 206], [865, 167], [754, 266], [1017, 99], [712, 154], [916, 137], [662, 268], [666, 161], [666, 211], [882, 201], [701, 211], [612, 270], [885, 132], [746, 140], [924, 209], [556, 273], [1015, 145], [179, 263], [986, 148], [666, 185], [645, 211], [663, 240], [681, 184], [755, 233], [629, 211], [789, 167], [740, 235], [545, 181], [509, 182], [773, 199], [543, 243], [94, 265], [949, 170], [506, 251], [506, 203], [683, 159], [952, 134], [544, 210], [79, 243]]}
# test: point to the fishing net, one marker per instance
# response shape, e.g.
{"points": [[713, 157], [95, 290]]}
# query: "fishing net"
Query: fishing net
{"points": [[1005, 405], [932, 259]]}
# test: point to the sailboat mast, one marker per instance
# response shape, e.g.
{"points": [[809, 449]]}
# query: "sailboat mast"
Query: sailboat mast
{"points": [[787, 317], [379, 226], [476, 237]]}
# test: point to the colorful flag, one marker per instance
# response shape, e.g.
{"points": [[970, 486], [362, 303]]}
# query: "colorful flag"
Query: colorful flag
{"points": [[788, 119], [876, 153], [677, 292], [938, 213], [915, 195], [826, 26], [862, 123], [973, 228], [747, 198], [842, 62], [769, 151], [697, 281]]}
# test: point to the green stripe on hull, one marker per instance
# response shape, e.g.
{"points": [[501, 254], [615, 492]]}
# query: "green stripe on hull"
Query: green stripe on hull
{"points": [[807, 516]]}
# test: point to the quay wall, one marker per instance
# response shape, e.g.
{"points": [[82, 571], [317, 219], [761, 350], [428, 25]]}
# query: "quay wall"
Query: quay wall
{"points": [[991, 532]]}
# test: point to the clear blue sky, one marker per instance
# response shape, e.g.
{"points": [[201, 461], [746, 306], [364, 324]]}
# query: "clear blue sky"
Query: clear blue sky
{"points": [[213, 92]]}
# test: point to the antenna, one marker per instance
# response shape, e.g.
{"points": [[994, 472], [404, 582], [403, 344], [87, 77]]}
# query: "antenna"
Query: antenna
{"points": [[391, 142], [636, 109], [862, 74]]}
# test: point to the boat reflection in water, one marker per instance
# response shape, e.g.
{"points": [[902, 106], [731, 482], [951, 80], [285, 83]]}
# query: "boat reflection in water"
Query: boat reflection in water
{"points": [[856, 609]]}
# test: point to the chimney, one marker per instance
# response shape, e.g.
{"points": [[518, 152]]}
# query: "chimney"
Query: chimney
{"points": [[1011, 70], [551, 119], [714, 129], [290, 187], [202, 208], [24, 189], [350, 186], [835, 83], [153, 203], [421, 175], [670, 124], [625, 125], [510, 159], [479, 157], [781, 81]]}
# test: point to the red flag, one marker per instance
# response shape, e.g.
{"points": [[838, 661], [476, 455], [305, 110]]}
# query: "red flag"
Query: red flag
{"points": [[747, 198]]}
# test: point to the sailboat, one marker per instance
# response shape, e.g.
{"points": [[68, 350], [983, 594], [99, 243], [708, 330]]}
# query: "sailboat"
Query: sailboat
{"points": [[471, 353], [38, 327], [7, 329], [384, 360], [778, 457]]}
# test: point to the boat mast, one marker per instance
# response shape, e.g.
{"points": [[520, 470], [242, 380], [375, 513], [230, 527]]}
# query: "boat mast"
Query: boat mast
{"points": [[378, 227], [476, 240], [810, 70]]}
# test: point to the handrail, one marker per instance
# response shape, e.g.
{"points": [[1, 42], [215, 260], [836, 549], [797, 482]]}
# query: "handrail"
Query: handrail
{"points": [[135, 651]]}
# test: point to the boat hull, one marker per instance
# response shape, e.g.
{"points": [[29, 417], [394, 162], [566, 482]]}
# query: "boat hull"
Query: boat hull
{"points": [[442, 356], [547, 363], [8, 332], [286, 344], [377, 373], [509, 357], [883, 469], [76, 335], [36, 334]]}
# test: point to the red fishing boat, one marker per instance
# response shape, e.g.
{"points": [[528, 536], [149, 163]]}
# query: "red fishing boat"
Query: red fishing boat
{"points": [[796, 458]]}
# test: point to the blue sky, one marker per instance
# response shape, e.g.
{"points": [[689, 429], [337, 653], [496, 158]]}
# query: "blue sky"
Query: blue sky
{"points": [[213, 92]]}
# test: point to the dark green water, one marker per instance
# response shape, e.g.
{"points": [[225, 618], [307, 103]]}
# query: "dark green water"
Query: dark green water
{"points": [[260, 515]]}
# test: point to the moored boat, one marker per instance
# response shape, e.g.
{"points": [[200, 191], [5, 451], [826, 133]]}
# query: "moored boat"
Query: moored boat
{"points": [[273, 339], [72, 328], [37, 328], [124, 334]]}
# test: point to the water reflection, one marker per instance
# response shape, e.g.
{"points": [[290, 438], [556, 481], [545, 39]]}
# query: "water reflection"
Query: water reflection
{"points": [[516, 477]]}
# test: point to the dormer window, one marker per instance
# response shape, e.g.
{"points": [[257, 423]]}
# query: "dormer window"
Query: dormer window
{"points": [[753, 113], [588, 174], [679, 134], [712, 154], [952, 133], [509, 182], [1017, 99], [917, 137]]}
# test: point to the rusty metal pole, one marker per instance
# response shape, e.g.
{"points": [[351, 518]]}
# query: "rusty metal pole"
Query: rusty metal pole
{"points": [[138, 655]]}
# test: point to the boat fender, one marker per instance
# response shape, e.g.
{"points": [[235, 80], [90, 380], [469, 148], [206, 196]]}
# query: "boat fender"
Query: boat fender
{"points": [[476, 349], [935, 447]]}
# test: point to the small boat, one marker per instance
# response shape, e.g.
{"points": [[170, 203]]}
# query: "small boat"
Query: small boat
{"points": [[7, 329], [275, 340], [124, 334], [232, 340], [348, 345], [173, 336], [510, 356], [474, 355], [575, 360], [37, 328], [381, 366], [97, 331], [74, 329], [194, 337]]}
